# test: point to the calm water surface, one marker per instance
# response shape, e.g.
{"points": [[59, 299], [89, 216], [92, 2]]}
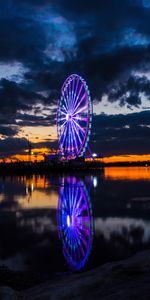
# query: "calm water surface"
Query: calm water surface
{"points": [[52, 224]]}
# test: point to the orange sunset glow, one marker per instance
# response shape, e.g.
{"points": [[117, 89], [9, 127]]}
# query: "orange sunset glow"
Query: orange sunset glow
{"points": [[127, 158], [38, 154]]}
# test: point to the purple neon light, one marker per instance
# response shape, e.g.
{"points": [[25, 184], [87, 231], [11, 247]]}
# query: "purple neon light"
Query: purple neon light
{"points": [[75, 222], [73, 117]]}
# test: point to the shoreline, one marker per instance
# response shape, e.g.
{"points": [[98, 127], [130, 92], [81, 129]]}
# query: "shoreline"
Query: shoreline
{"points": [[61, 167]]}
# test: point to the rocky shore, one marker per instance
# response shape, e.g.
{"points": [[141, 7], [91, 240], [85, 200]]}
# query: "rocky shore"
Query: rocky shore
{"points": [[123, 280]]}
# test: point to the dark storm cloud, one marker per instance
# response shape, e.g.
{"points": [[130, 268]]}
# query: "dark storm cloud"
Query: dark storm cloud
{"points": [[131, 91], [21, 36], [109, 40], [118, 134], [15, 97], [47, 144], [35, 120], [8, 131], [117, 121], [13, 145]]}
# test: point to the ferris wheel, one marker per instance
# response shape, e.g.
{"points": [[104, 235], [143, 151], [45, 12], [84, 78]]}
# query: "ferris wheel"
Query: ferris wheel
{"points": [[74, 117], [75, 222]]}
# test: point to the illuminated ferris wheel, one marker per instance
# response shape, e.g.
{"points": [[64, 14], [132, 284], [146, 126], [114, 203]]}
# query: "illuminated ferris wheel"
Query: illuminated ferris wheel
{"points": [[74, 117]]}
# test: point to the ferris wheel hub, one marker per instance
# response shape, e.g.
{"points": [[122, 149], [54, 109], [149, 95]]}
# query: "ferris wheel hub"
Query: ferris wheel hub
{"points": [[68, 117]]}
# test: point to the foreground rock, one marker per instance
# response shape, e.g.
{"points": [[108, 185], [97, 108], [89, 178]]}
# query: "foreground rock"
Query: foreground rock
{"points": [[6, 293], [128, 279]]}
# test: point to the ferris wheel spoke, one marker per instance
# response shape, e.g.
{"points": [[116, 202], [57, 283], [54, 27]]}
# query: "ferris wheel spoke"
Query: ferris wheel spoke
{"points": [[65, 140], [78, 96], [86, 231], [78, 205], [76, 237], [83, 208], [80, 102], [66, 199], [81, 248], [73, 83], [74, 137], [64, 104], [63, 110], [63, 137], [68, 137], [84, 241], [82, 235], [75, 200], [65, 101], [83, 108], [76, 86], [77, 133], [73, 197], [81, 131], [79, 127], [84, 119], [63, 119], [80, 231], [63, 133], [68, 93], [69, 200], [76, 89], [61, 126], [84, 220], [71, 141]]}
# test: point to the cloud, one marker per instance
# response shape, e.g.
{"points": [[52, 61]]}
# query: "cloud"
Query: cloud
{"points": [[15, 97], [121, 134], [36, 120], [13, 145], [7, 131], [131, 91]]}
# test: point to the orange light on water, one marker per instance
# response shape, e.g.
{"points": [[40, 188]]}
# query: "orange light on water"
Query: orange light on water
{"points": [[127, 173]]}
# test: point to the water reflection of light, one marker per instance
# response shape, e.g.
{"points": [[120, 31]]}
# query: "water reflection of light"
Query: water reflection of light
{"points": [[68, 220], [32, 187], [39, 199], [121, 226], [127, 173], [95, 182], [75, 222]]}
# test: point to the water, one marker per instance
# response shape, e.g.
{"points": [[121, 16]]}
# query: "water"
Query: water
{"points": [[53, 224]]}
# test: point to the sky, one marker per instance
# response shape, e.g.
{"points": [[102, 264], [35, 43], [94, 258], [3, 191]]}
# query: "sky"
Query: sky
{"points": [[107, 42]]}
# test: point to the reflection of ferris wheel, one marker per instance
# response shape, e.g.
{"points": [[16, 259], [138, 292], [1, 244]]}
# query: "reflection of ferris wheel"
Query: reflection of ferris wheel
{"points": [[74, 117], [75, 222]]}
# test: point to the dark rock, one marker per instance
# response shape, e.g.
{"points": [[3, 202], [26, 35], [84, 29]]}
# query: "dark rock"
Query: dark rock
{"points": [[124, 280], [128, 279], [6, 293]]}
